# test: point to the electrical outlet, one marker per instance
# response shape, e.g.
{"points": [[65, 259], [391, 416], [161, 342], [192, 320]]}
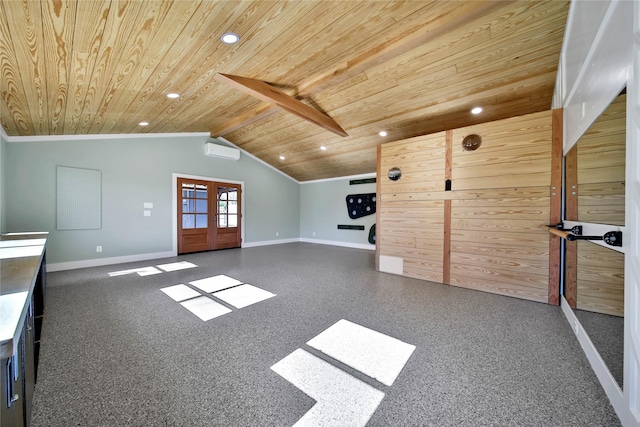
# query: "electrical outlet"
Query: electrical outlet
{"points": [[575, 326], [98, 248], [314, 233], [277, 234]]}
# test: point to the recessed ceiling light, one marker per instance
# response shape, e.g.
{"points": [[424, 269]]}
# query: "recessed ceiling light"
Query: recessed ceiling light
{"points": [[281, 157], [323, 148], [476, 110], [230, 38], [143, 123], [173, 95], [382, 133]]}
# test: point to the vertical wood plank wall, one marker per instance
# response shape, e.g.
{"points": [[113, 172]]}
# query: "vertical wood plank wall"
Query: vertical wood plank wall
{"points": [[600, 170], [500, 195]]}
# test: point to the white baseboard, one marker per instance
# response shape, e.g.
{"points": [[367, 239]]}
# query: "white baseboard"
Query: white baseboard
{"points": [[608, 383], [342, 244], [269, 242], [72, 265]]}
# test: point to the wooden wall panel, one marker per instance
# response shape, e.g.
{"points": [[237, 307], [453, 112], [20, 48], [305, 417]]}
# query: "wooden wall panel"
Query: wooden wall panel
{"points": [[484, 234], [601, 167], [600, 279], [495, 245], [413, 228]]}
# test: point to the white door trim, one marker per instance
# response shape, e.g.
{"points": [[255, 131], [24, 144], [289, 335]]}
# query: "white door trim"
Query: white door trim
{"points": [[174, 203]]}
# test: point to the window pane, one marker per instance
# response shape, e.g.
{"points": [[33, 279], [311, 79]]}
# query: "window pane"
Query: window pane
{"points": [[233, 194], [233, 207], [233, 220], [186, 191], [222, 221], [187, 206], [188, 221], [201, 194], [222, 207], [201, 206], [222, 194], [201, 221]]}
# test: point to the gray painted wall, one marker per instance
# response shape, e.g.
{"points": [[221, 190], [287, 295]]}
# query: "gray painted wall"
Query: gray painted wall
{"points": [[323, 207], [3, 182], [135, 171]]}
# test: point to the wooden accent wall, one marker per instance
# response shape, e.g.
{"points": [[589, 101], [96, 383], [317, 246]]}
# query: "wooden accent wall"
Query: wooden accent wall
{"points": [[500, 195], [600, 279], [601, 167], [595, 274], [411, 222]]}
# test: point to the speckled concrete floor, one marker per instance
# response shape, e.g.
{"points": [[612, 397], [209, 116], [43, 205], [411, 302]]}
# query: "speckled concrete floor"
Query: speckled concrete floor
{"points": [[117, 351]]}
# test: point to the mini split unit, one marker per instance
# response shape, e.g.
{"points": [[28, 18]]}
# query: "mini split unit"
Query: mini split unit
{"points": [[215, 150]]}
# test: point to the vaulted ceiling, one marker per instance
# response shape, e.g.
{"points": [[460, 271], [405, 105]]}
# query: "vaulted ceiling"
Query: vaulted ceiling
{"points": [[405, 67]]}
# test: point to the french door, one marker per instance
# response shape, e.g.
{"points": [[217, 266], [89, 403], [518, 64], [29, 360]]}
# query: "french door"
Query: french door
{"points": [[208, 215]]}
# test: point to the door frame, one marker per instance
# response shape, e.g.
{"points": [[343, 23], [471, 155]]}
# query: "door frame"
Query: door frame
{"points": [[174, 197]]}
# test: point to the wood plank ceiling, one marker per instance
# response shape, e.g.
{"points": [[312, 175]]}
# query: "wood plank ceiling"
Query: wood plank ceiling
{"points": [[406, 67]]}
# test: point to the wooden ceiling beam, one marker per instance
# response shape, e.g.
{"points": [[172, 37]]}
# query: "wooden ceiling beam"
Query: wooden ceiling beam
{"points": [[410, 39], [272, 95]]}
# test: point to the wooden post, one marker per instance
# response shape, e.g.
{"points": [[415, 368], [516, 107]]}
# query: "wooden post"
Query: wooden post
{"points": [[446, 254], [555, 211]]}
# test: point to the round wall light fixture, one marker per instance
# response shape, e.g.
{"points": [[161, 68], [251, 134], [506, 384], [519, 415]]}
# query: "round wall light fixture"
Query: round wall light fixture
{"points": [[471, 142], [394, 174]]}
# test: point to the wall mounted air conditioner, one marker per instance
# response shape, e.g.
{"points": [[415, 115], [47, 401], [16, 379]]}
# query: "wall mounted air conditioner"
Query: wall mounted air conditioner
{"points": [[215, 150]]}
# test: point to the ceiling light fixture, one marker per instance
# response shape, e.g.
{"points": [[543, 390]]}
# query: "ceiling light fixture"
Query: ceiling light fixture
{"points": [[281, 157], [476, 110], [143, 123], [382, 133], [230, 38], [323, 148], [173, 95]]}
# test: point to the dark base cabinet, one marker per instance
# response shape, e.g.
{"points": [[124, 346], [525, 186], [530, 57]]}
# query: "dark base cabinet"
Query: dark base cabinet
{"points": [[25, 278], [12, 389]]}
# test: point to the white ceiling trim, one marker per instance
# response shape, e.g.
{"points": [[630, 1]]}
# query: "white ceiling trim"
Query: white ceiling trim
{"points": [[340, 178], [51, 138]]}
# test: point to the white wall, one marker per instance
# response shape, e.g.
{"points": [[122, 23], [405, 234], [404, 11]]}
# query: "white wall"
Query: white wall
{"points": [[3, 180], [136, 170], [323, 207], [596, 64]]}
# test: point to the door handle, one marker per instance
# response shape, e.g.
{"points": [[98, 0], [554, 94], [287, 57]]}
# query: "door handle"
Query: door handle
{"points": [[12, 396]]}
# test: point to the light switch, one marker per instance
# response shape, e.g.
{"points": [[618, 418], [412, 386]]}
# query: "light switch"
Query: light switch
{"points": [[147, 213], [148, 205]]}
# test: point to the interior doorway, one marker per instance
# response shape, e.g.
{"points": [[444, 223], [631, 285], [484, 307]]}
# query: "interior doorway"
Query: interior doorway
{"points": [[208, 214]]}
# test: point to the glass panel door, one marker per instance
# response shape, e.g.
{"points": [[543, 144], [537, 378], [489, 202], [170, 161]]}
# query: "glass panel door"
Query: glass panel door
{"points": [[194, 232]]}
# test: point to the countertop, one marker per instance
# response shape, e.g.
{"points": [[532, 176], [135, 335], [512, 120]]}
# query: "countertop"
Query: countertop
{"points": [[21, 255]]}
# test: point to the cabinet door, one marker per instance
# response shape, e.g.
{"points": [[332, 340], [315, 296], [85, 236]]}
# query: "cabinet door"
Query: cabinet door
{"points": [[28, 364], [12, 405], [6, 411]]}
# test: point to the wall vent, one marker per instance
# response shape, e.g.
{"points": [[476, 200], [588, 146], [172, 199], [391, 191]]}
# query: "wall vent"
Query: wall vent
{"points": [[215, 150]]}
